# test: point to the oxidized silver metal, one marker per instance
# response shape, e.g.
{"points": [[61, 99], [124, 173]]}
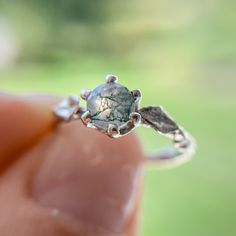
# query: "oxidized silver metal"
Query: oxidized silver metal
{"points": [[114, 110]]}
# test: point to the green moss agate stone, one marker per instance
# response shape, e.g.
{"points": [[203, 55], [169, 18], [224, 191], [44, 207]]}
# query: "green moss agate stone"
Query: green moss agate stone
{"points": [[110, 103]]}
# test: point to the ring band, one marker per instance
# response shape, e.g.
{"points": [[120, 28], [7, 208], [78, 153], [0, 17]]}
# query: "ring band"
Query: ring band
{"points": [[114, 110]]}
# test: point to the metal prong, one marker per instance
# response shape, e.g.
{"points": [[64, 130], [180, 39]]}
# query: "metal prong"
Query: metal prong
{"points": [[113, 130], [137, 94], [85, 93], [135, 118], [86, 118], [110, 78]]}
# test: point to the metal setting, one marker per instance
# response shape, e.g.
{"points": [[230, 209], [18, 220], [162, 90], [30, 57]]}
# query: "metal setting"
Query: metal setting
{"points": [[114, 110]]}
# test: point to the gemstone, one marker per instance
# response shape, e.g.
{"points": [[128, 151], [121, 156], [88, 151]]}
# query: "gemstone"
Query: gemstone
{"points": [[110, 103]]}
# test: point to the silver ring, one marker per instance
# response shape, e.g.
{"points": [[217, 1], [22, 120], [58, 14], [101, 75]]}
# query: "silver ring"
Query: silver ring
{"points": [[114, 110]]}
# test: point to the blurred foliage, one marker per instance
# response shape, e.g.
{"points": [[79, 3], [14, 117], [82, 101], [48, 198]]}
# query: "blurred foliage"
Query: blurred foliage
{"points": [[60, 11], [181, 54], [46, 27]]}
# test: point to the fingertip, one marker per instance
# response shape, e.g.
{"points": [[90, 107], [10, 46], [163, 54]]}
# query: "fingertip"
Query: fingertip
{"points": [[86, 172], [23, 119]]}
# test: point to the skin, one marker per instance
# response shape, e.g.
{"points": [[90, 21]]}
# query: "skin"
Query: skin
{"points": [[64, 179]]}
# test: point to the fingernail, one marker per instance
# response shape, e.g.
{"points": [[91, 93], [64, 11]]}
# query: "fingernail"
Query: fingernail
{"points": [[90, 177]]}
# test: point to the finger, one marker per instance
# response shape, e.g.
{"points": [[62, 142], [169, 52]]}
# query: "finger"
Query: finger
{"points": [[91, 176], [75, 182], [22, 121]]}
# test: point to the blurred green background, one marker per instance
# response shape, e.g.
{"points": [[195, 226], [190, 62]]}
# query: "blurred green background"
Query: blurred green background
{"points": [[181, 54]]}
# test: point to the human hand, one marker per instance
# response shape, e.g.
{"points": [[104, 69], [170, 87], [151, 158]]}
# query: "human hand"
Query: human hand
{"points": [[64, 179]]}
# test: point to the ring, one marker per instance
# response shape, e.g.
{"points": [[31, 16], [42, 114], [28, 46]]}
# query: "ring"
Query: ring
{"points": [[114, 110]]}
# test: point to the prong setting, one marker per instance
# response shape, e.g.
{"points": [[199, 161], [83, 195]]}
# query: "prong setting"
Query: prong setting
{"points": [[137, 95], [114, 110], [110, 78], [113, 130], [135, 118], [86, 118], [85, 93]]}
